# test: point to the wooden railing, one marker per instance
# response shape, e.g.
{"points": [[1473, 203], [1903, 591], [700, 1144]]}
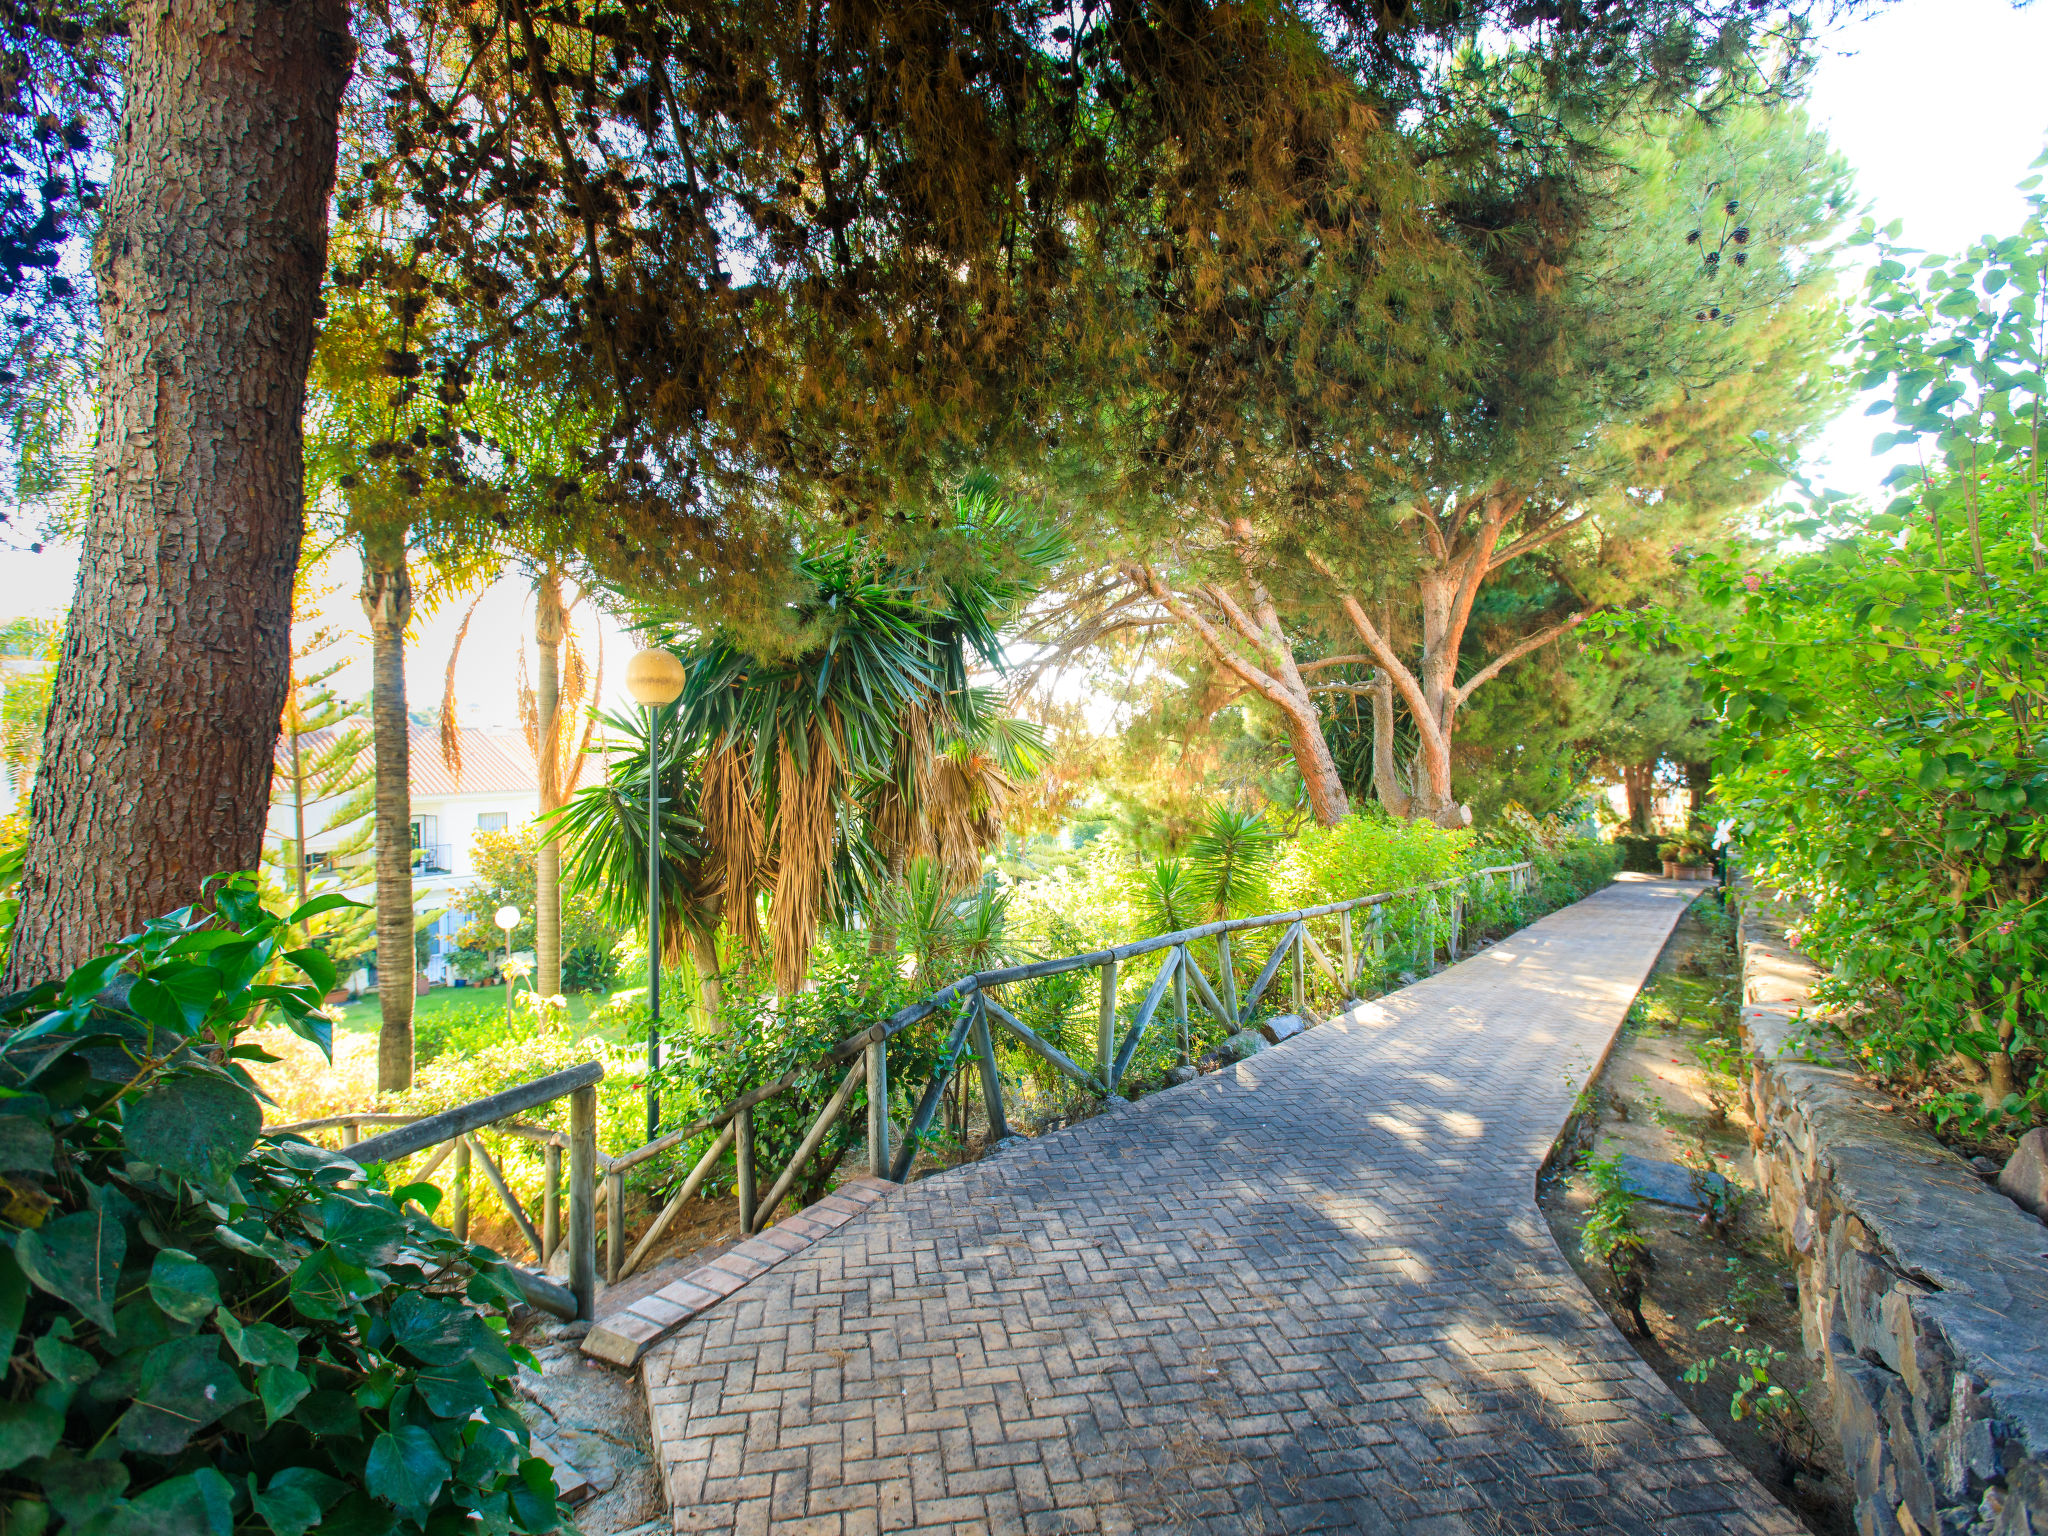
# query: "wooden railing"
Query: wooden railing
{"points": [[456, 1132], [865, 1055], [1440, 913]]}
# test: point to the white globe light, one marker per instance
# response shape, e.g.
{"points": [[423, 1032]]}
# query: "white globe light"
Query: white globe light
{"points": [[654, 678], [507, 918]]}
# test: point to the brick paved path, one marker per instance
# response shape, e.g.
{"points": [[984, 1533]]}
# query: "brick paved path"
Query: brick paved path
{"points": [[1311, 1293]]}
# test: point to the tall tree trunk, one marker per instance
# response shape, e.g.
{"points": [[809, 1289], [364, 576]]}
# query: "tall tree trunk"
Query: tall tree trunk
{"points": [[387, 599], [298, 803], [547, 917], [710, 985], [1386, 768], [1640, 782], [1252, 645], [1699, 783], [157, 754]]}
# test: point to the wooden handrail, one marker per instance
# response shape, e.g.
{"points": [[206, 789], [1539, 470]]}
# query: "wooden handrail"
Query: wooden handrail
{"points": [[464, 1118]]}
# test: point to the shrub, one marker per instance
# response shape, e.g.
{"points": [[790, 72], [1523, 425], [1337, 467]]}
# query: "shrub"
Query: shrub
{"points": [[208, 1329], [763, 1036]]}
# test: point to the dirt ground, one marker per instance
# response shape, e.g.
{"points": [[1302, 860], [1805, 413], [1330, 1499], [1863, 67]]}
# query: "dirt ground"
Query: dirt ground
{"points": [[1666, 1094]]}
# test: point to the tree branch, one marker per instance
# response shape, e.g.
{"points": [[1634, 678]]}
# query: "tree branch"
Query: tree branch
{"points": [[1515, 653]]}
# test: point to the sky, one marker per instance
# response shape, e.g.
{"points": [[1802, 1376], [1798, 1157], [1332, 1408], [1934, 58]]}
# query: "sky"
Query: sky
{"points": [[1939, 105]]}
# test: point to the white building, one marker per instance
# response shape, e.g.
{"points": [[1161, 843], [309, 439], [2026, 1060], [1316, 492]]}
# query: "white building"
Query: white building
{"points": [[498, 788]]}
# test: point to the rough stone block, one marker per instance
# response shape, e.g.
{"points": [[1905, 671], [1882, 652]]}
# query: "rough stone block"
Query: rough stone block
{"points": [[1282, 1026], [2025, 1177]]}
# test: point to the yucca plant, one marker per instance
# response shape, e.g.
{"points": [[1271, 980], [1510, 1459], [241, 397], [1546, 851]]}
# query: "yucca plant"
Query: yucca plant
{"points": [[1230, 863], [1164, 894]]}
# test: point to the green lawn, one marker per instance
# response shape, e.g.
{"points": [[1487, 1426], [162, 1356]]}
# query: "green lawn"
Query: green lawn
{"points": [[364, 1016]]}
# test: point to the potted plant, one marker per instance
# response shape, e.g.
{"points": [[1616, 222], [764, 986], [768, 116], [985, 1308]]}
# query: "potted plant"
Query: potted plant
{"points": [[1687, 858]]}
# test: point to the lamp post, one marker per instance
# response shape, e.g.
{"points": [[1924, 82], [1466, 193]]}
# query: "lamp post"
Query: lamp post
{"points": [[507, 918], [655, 679]]}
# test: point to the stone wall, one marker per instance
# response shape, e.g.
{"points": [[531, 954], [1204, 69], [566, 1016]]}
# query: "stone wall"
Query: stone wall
{"points": [[1923, 1291]]}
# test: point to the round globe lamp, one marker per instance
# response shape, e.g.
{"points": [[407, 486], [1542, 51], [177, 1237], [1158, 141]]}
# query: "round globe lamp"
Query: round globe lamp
{"points": [[507, 918]]}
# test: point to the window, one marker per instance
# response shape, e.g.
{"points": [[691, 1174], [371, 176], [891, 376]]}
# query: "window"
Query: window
{"points": [[490, 821]]}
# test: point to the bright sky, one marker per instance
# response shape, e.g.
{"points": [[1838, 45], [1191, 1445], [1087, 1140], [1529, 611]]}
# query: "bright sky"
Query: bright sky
{"points": [[1938, 104]]}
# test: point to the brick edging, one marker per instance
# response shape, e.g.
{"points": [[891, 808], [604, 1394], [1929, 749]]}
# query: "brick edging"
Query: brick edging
{"points": [[622, 1337], [1923, 1294]]}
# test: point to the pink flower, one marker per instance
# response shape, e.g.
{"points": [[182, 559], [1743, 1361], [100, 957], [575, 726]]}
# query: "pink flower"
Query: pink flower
{"points": [[2007, 927], [1752, 580]]}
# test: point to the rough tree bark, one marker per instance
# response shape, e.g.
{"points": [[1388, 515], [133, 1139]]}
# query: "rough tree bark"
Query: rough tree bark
{"points": [[157, 756], [547, 917], [1465, 547], [387, 600], [1248, 640], [1639, 780]]}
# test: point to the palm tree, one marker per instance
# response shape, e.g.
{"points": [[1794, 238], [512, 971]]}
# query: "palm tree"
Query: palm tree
{"points": [[823, 772]]}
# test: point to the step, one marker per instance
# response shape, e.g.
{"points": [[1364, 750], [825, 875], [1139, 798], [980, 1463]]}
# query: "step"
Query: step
{"points": [[622, 1337]]}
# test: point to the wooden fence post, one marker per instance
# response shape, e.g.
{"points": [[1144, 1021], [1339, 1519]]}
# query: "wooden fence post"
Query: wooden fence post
{"points": [[1350, 956], [1228, 978], [458, 1197], [1180, 1001], [550, 1201], [614, 1226], [1105, 1029], [743, 1183], [1300, 982], [991, 1079], [878, 1108], [583, 1200]]}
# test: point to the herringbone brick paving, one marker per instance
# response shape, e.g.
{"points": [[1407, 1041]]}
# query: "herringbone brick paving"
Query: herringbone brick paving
{"points": [[1312, 1292]]}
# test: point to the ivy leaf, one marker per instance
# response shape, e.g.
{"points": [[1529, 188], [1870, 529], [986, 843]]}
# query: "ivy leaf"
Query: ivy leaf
{"points": [[327, 1285], [77, 1258], [27, 1430], [258, 1344], [358, 1515], [200, 1503], [367, 1233], [182, 1286], [26, 1145], [290, 1511], [198, 1127], [406, 1469], [453, 1391], [331, 1415], [185, 1387], [79, 1489], [281, 1389], [13, 1299], [66, 1363], [439, 1331]]}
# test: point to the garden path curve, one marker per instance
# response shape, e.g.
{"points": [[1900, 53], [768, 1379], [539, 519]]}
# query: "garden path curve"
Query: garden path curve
{"points": [[1311, 1292]]}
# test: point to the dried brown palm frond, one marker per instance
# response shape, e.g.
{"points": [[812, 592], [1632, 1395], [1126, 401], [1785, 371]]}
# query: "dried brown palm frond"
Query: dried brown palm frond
{"points": [[806, 821], [733, 830], [963, 814], [581, 754], [896, 812], [451, 733]]}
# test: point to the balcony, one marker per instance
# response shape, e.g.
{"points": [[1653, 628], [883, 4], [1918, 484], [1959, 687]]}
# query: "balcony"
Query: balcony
{"points": [[433, 859]]}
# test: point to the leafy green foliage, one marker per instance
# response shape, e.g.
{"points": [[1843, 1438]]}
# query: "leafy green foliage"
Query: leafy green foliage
{"points": [[763, 1036], [1883, 693], [208, 1329], [507, 874], [1611, 1237]]}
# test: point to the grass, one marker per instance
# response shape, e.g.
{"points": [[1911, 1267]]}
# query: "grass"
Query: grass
{"points": [[364, 1016]]}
